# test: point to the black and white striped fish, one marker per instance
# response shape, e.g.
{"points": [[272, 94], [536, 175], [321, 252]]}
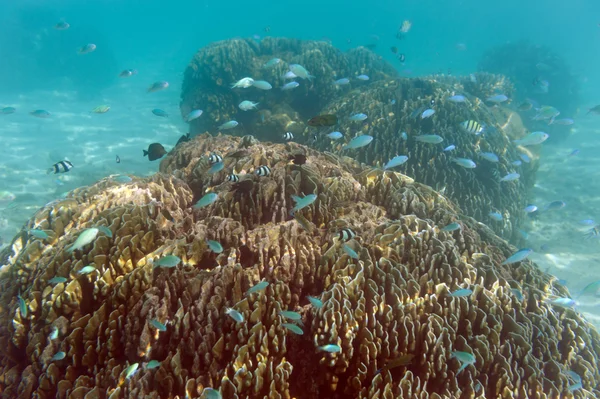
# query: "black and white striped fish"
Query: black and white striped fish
{"points": [[263, 171], [346, 234], [61, 167], [214, 158], [288, 136], [233, 177]]}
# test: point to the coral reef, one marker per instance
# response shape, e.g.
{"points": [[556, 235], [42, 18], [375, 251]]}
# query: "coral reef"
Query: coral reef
{"points": [[385, 293]]}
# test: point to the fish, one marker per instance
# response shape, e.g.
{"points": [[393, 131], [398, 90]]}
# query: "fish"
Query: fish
{"points": [[60, 167], [465, 358], [451, 227], [183, 139], [40, 113], [518, 256], [404, 136], [516, 163], [489, 156], [57, 280], [396, 161], [358, 117], [511, 177], [272, 62], [464, 162], [562, 122], [235, 315], [401, 57], [127, 73], [517, 293], [402, 360], [85, 238], [62, 25], [8, 110], [214, 158], [316, 302], [594, 110], [534, 138], [215, 246], [288, 136], [22, 306], [262, 85], [590, 289], [472, 78], [105, 230], [463, 292], [263, 171], [243, 83], [405, 27], [195, 114], [158, 86], [158, 325], [427, 113], [293, 328], [86, 270], [206, 200], [457, 98], [258, 287], [362, 77], [350, 252], [87, 48], [358, 142], [496, 216], [117, 159], [152, 364], [498, 98], [555, 205], [574, 152], [471, 126], [394, 49], [122, 179], [300, 71], [302, 202], [228, 125], [566, 303], [341, 82], [297, 159], [323, 120], [429, 138], [288, 314], [450, 148], [331, 348], [290, 85], [247, 105], [526, 106], [168, 261], [37, 233], [101, 109], [335, 135], [155, 151], [130, 371], [346, 234], [53, 334], [58, 356], [216, 167], [212, 393], [289, 75]]}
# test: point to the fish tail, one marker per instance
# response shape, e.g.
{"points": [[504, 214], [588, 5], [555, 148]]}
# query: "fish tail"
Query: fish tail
{"points": [[145, 152]]}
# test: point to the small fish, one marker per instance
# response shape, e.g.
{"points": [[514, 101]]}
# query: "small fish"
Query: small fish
{"points": [[587, 222], [300, 71], [590, 289], [53, 334], [263, 171], [258, 287], [262, 85], [471, 126], [573, 375], [323, 120], [57, 280], [158, 325], [358, 117], [105, 230], [498, 98], [152, 364], [272, 62], [206, 200], [335, 135], [595, 110], [362, 77], [289, 75], [402, 360], [465, 358], [195, 114], [451, 227], [86, 270], [85, 238], [228, 125], [511, 177], [516, 163], [517, 293], [288, 314], [350, 252], [496, 216], [489, 156], [155, 151], [316, 302], [293, 328], [526, 106], [160, 112], [472, 78], [37, 233], [22, 306], [566, 303], [288, 136], [243, 83], [62, 25], [212, 393], [450, 148], [341, 82], [58, 356], [530, 208], [404, 136], [101, 109], [158, 86], [290, 85], [358, 142], [215, 246], [464, 162], [40, 113], [534, 138], [346, 234], [60, 167], [462, 293], [562, 122], [302, 202], [574, 152], [130, 371], [247, 105], [235, 315], [168, 261], [233, 178], [117, 159], [427, 113], [396, 161], [518, 256], [214, 158], [127, 73], [429, 138], [86, 49], [298, 159], [457, 98], [216, 167], [555, 205], [331, 348], [8, 110]]}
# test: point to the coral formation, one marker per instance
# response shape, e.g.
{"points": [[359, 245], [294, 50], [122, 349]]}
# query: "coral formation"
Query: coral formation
{"points": [[385, 293]]}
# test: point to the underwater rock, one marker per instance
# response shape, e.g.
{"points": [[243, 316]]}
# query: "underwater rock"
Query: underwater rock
{"points": [[392, 302]]}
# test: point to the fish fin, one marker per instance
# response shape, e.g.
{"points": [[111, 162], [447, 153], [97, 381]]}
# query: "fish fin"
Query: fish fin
{"points": [[145, 152]]}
